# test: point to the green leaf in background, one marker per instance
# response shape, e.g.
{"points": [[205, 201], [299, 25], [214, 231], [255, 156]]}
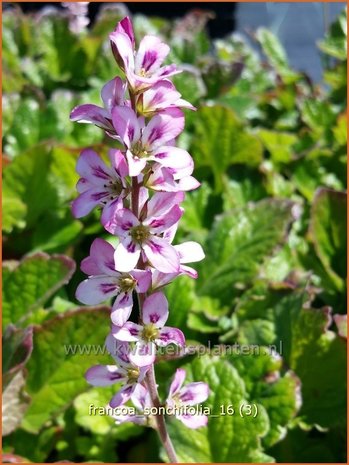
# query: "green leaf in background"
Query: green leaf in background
{"points": [[328, 232], [275, 53], [227, 438], [238, 243], [318, 357], [56, 374], [279, 394], [17, 346], [218, 131], [279, 144], [26, 180], [14, 212], [31, 283]]}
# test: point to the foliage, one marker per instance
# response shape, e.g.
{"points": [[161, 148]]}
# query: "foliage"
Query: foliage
{"points": [[270, 151]]}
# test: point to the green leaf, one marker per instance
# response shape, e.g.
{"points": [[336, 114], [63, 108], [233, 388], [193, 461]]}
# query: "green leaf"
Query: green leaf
{"points": [[26, 180], [275, 53], [328, 232], [279, 394], [279, 144], [14, 212], [319, 359], [64, 348], [217, 130], [17, 346], [28, 286], [237, 245], [14, 403], [227, 438]]}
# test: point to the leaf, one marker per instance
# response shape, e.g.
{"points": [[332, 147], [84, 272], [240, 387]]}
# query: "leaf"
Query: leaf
{"points": [[237, 245], [14, 212], [227, 438], [279, 144], [64, 348], [319, 359], [218, 131], [36, 278], [14, 404], [328, 232], [26, 180], [17, 346], [275, 53], [279, 394]]}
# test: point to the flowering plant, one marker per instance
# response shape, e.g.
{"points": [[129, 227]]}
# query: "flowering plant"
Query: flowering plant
{"points": [[140, 194]]}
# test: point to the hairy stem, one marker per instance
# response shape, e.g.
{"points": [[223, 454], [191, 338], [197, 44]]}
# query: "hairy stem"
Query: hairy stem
{"points": [[160, 419]]}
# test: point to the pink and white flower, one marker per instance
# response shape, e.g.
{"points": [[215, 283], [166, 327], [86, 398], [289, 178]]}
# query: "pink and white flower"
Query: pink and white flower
{"points": [[123, 372], [112, 94], [159, 97], [180, 397], [170, 180], [100, 185], [141, 400], [152, 333], [151, 142], [104, 282], [143, 68], [140, 237]]}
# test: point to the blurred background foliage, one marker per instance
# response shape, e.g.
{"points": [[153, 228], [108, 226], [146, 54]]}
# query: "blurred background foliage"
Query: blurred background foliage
{"points": [[270, 150]]}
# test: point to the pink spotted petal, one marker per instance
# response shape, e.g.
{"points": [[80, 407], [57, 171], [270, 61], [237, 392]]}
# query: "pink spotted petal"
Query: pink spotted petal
{"points": [[104, 375], [162, 202], [190, 252], [122, 396], [118, 162], [174, 158], [87, 201], [163, 128], [119, 350], [177, 382], [101, 259], [161, 279], [109, 210], [155, 309], [122, 49], [162, 180], [193, 421], [162, 223], [125, 26], [194, 393], [126, 124], [96, 289], [143, 278], [168, 70], [150, 55], [135, 164], [170, 336], [161, 255], [113, 93], [143, 354], [188, 183], [127, 255], [121, 222], [90, 166], [129, 332], [93, 114], [141, 397], [82, 185], [189, 271], [122, 309]]}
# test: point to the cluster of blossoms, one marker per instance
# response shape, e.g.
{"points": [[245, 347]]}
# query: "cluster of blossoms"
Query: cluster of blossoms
{"points": [[140, 192]]}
